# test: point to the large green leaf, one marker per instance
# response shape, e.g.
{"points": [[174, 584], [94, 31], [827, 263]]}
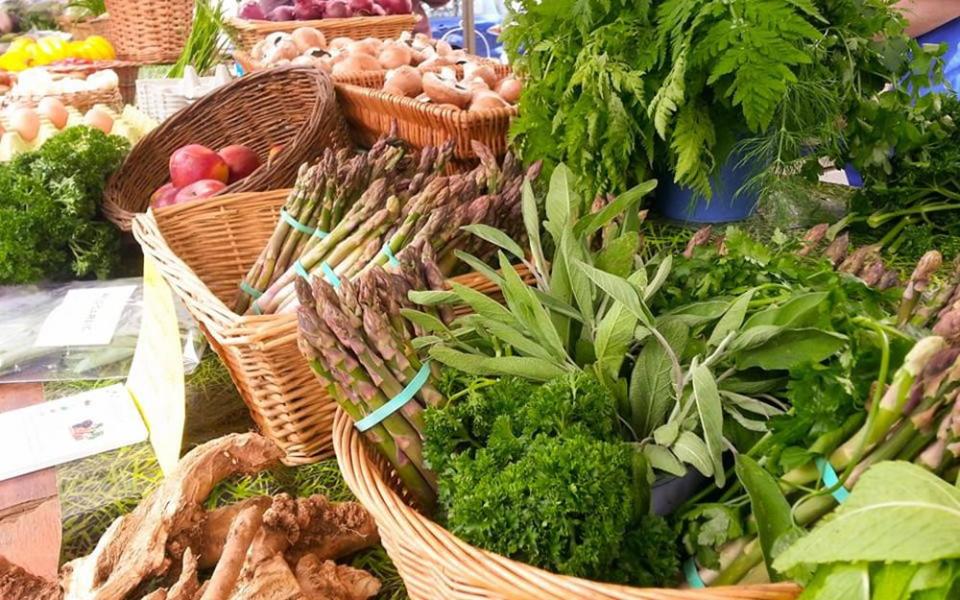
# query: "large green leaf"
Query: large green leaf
{"points": [[426, 321], [800, 311], [770, 508], [617, 257], [480, 267], [663, 271], [707, 397], [896, 512], [692, 450], [613, 338], [701, 312], [561, 200], [624, 202], [496, 237], [732, 319], [839, 582], [531, 222], [791, 348], [432, 297], [484, 305], [580, 285], [525, 306], [512, 337], [520, 366], [652, 393], [662, 459], [620, 290]]}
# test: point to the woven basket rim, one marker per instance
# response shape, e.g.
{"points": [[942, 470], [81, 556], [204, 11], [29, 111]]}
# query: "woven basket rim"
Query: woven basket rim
{"points": [[257, 25], [210, 102], [390, 510], [446, 114]]}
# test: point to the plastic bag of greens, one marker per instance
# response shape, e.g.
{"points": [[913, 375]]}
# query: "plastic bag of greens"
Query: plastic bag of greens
{"points": [[78, 330]]}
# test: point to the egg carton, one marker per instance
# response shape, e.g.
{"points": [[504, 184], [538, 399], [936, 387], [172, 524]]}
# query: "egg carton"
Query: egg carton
{"points": [[131, 124], [161, 98]]}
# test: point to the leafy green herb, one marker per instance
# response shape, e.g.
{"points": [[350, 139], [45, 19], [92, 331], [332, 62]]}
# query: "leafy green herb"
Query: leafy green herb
{"points": [[49, 202], [538, 473]]}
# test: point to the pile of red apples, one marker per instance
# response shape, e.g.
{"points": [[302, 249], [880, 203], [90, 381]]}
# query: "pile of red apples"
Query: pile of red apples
{"points": [[197, 172]]}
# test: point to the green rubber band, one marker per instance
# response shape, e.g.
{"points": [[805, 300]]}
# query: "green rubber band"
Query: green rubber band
{"points": [[249, 290], [390, 256], [289, 220], [692, 574], [411, 389], [298, 267], [830, 479], [256, 308], [329, 275]]}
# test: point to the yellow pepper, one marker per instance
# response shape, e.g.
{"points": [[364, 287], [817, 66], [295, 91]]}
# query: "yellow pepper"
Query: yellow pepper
{"points": [[51, 49], [100, 48], [12, 61]]}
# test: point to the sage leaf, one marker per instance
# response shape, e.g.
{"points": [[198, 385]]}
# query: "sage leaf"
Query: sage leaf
{"points": [[709, 409], [484, 305], [496, 237], [514, 338], [652, 393], [626, 201], [613, 338], [663, 271], [791, 348], [561, 199], [480, 267], [620, 290], [897, 512], [755, 336], [529, 311], [732, 319], [770, 508], [527, 367], [432, 297], [662, 459], [427, 322], [531, 222], [580, 285], [692, 450], [617, 256], [750, 404], [666, 434], [799, 311], [698, 313]]}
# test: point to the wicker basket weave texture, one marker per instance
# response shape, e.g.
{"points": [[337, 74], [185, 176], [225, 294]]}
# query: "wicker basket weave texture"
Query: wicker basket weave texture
{"points": [[371, 113], [436, 565], [82, 101], [203, 250], [149, 31], [293, 107], [388, 27]]}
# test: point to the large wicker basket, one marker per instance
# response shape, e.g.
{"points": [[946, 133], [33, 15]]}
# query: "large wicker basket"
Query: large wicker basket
{"points": [[81, 30], [248, 32], [204, 249], [436, 565], [149, 31], [82, 101], [371, 112], [293, 107]]}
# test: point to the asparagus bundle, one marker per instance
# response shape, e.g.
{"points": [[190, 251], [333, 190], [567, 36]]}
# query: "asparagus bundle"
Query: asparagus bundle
{"points": [[323, 194], [391, 214]]}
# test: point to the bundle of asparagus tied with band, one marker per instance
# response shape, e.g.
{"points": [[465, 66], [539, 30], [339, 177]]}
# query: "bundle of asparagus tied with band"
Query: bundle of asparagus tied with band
{"points": [[347, 215]]}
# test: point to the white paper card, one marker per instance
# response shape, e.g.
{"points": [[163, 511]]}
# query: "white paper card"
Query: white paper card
{"points": [[52, 433], [85, 317]]}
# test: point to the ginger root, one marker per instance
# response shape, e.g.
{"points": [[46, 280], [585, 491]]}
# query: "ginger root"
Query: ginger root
{"points": [[278, 548]]}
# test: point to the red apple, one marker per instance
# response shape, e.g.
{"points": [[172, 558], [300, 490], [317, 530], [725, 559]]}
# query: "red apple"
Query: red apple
{"points": [[200, 189], [242, 161], [164, 196], [193, 163]]}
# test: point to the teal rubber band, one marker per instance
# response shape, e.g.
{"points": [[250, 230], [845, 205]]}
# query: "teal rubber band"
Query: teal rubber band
{"points": [[390, 256], [830, 479], [329, 275], [298, 267], [289, 220], [249, 290], [692, 574], [374, 418]]}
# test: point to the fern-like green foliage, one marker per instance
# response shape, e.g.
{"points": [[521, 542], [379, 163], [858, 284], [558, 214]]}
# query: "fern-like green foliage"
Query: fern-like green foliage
{"points": [[617, 89]]}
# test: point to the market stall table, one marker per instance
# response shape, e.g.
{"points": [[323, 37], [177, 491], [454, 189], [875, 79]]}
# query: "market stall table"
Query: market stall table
{"points": [[30, 531]]}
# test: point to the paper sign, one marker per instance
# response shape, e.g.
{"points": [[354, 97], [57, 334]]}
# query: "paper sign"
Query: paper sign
{"points": [[85, 317], [52, 433], [156, 378]]}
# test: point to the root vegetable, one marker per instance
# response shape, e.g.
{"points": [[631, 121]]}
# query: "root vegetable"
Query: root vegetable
{"points": [[446, 91], [17, 584], [238, 541], [334, 582], [509, 89], [307, 37], [405, 78], [487, 100], [209, 545]]}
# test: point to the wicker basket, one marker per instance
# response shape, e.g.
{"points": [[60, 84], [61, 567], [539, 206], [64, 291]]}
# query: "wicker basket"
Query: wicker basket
{"points": [[81, 30], [204, 249], [290, 106], [250, 32], [371, 113], [149, 31], [82, 101], [126, 72], [436, 565]]}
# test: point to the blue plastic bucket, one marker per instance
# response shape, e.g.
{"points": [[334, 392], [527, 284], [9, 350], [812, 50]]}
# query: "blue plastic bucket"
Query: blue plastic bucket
{"points": [[730, 202]]}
